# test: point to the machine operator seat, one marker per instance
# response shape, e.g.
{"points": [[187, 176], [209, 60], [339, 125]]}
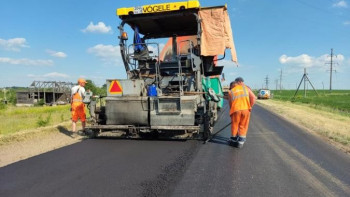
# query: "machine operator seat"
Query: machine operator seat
{"points": [[143, 54]]}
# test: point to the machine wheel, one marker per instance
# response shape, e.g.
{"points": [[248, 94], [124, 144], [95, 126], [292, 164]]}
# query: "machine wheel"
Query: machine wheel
{"points": [[92, 133]]}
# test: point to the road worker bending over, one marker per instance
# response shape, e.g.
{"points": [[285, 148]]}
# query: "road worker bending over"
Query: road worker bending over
{"points": [[241, 100], [77, 105]]}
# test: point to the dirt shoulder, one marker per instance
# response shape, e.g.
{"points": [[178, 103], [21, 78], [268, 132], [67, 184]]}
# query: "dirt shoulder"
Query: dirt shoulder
{"points": [[29, 143], [333, 128]]}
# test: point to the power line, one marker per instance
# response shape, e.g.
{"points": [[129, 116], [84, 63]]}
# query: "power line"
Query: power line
{"points": [[331, 70], [312, 6], [267, 82], [281, 80], [321, 9]]}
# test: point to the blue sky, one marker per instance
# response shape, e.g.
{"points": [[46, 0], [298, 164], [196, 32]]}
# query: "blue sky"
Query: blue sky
{"points": [[64, 40]]}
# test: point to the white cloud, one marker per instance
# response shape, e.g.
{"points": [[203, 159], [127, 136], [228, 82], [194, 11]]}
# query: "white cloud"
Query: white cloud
{"points": [[56, 54], [100, 27], [303, 59], [14, 44], [340, 4], [294, 64], [346, 23], [107, 53], [26, 62]]}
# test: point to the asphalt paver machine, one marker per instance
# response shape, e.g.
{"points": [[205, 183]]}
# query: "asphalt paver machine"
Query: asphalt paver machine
{"points": [[172, 90]]}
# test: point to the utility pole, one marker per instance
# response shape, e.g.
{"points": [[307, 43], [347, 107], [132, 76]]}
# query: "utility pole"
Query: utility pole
{"points": [[330, 80], [331, 70], [276, 81], [304, 82], [281, 80], [305, 79], [267, 82]]}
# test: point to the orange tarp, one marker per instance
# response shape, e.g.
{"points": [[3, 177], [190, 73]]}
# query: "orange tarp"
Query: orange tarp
{"points": [[216, 33]]}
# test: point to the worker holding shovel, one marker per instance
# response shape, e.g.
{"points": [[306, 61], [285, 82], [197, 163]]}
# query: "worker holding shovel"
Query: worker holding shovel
{"points": [[241, 100]]}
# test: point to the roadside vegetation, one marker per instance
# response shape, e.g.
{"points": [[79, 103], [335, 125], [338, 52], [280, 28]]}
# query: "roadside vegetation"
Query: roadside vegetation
{"points": [[337, 101], [10, 96], [14, 119]]}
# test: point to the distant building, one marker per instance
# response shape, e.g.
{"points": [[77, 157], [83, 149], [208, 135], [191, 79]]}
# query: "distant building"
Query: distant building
{"points": [[51, 92]]}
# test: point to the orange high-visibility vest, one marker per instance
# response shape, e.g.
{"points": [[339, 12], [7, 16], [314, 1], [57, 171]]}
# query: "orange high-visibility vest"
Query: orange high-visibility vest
{"points": [[239, 99], [76, 98]]}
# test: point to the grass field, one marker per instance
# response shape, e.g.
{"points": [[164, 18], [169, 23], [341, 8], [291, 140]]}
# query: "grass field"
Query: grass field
{"points": [[14, 119], [337, 101]]}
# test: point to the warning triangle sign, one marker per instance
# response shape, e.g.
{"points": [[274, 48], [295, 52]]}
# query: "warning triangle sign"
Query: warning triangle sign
{"points": [[115, 88]]}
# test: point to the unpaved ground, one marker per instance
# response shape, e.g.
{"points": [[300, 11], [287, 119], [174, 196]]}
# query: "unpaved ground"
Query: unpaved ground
{"points": [[333, 128], [29, 143]]}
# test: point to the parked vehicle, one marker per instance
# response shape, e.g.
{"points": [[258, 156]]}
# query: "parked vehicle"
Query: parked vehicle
{"points": [[264, 94]]}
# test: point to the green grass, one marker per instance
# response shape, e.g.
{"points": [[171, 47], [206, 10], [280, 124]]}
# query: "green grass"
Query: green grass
{"points": [[2, 106], [43, 122], [14, 119], [336, 101]]}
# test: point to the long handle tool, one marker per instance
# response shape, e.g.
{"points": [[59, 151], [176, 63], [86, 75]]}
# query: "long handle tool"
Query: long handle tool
{"points": [[212, 136]]}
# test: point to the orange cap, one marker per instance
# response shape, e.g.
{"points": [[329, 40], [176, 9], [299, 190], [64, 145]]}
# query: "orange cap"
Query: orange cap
{"points": [[81, 80]]}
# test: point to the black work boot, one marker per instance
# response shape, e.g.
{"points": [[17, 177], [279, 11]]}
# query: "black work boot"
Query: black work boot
{"points": [[232, 141], [240, 142]]}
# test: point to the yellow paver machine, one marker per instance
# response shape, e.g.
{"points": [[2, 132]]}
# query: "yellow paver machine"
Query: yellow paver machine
{"points": [[173, 86]]}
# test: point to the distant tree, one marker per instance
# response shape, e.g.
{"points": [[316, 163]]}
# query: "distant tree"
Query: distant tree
{"points": [[90, 85], [12, 96], [103, 90]]}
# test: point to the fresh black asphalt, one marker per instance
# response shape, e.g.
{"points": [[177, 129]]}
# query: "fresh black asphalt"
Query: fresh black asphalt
{"points": [[278, 159]]}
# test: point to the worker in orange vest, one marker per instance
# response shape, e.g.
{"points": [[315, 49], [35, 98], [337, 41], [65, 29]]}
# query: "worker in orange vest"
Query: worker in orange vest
{"points": [[241, 99], [77, 105]]}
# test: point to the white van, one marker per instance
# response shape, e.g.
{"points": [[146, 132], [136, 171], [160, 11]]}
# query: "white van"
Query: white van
{"points": [[264, 94]]}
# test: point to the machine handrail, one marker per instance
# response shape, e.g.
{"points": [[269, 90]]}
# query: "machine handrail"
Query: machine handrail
{"points": [[156, 57], [179, 62]]}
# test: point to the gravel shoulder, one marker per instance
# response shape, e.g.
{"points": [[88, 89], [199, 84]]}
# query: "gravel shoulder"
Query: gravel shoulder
{"points": [[29, 143], [333, 128]]}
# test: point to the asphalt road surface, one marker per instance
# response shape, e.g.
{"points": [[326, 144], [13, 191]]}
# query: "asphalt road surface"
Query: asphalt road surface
{"points": [[278, 159]]}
